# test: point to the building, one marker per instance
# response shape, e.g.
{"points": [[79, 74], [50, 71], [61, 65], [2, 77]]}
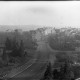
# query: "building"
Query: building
{"points": [[49, 31]]}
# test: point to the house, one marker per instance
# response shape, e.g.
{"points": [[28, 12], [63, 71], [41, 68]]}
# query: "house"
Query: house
{"points": [[50, 30]]}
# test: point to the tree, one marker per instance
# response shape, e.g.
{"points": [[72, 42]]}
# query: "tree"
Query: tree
{"points": [[65, 68], [5, 57], [8, 44], [60, 41], [21, 48], [30, 43], [15, 48], [48, 73]]}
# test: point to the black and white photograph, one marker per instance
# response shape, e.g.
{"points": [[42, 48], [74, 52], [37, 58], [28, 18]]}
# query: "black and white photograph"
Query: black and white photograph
{"points": [[40, 40]]}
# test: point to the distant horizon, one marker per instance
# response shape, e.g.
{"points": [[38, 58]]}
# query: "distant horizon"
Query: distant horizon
{"points": [[37, 25], [28, 27]]}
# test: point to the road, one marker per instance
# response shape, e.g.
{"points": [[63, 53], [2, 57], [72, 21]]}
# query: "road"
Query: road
{"points": [[35, 69]]}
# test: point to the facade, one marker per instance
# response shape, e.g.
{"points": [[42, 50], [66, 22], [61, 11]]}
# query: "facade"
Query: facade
{"points": [[50, 31]]}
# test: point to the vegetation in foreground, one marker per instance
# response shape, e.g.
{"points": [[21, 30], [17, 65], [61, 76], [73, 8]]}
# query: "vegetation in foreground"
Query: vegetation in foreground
{"points": [[64, 68], [17, 50], [18, 44]]}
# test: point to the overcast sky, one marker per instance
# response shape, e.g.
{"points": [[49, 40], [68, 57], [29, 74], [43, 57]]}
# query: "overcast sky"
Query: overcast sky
{"points": [[53, 13]]}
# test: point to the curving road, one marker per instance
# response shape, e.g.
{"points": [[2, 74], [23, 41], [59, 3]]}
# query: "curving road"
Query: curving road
{"points": [[34, 69]]}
